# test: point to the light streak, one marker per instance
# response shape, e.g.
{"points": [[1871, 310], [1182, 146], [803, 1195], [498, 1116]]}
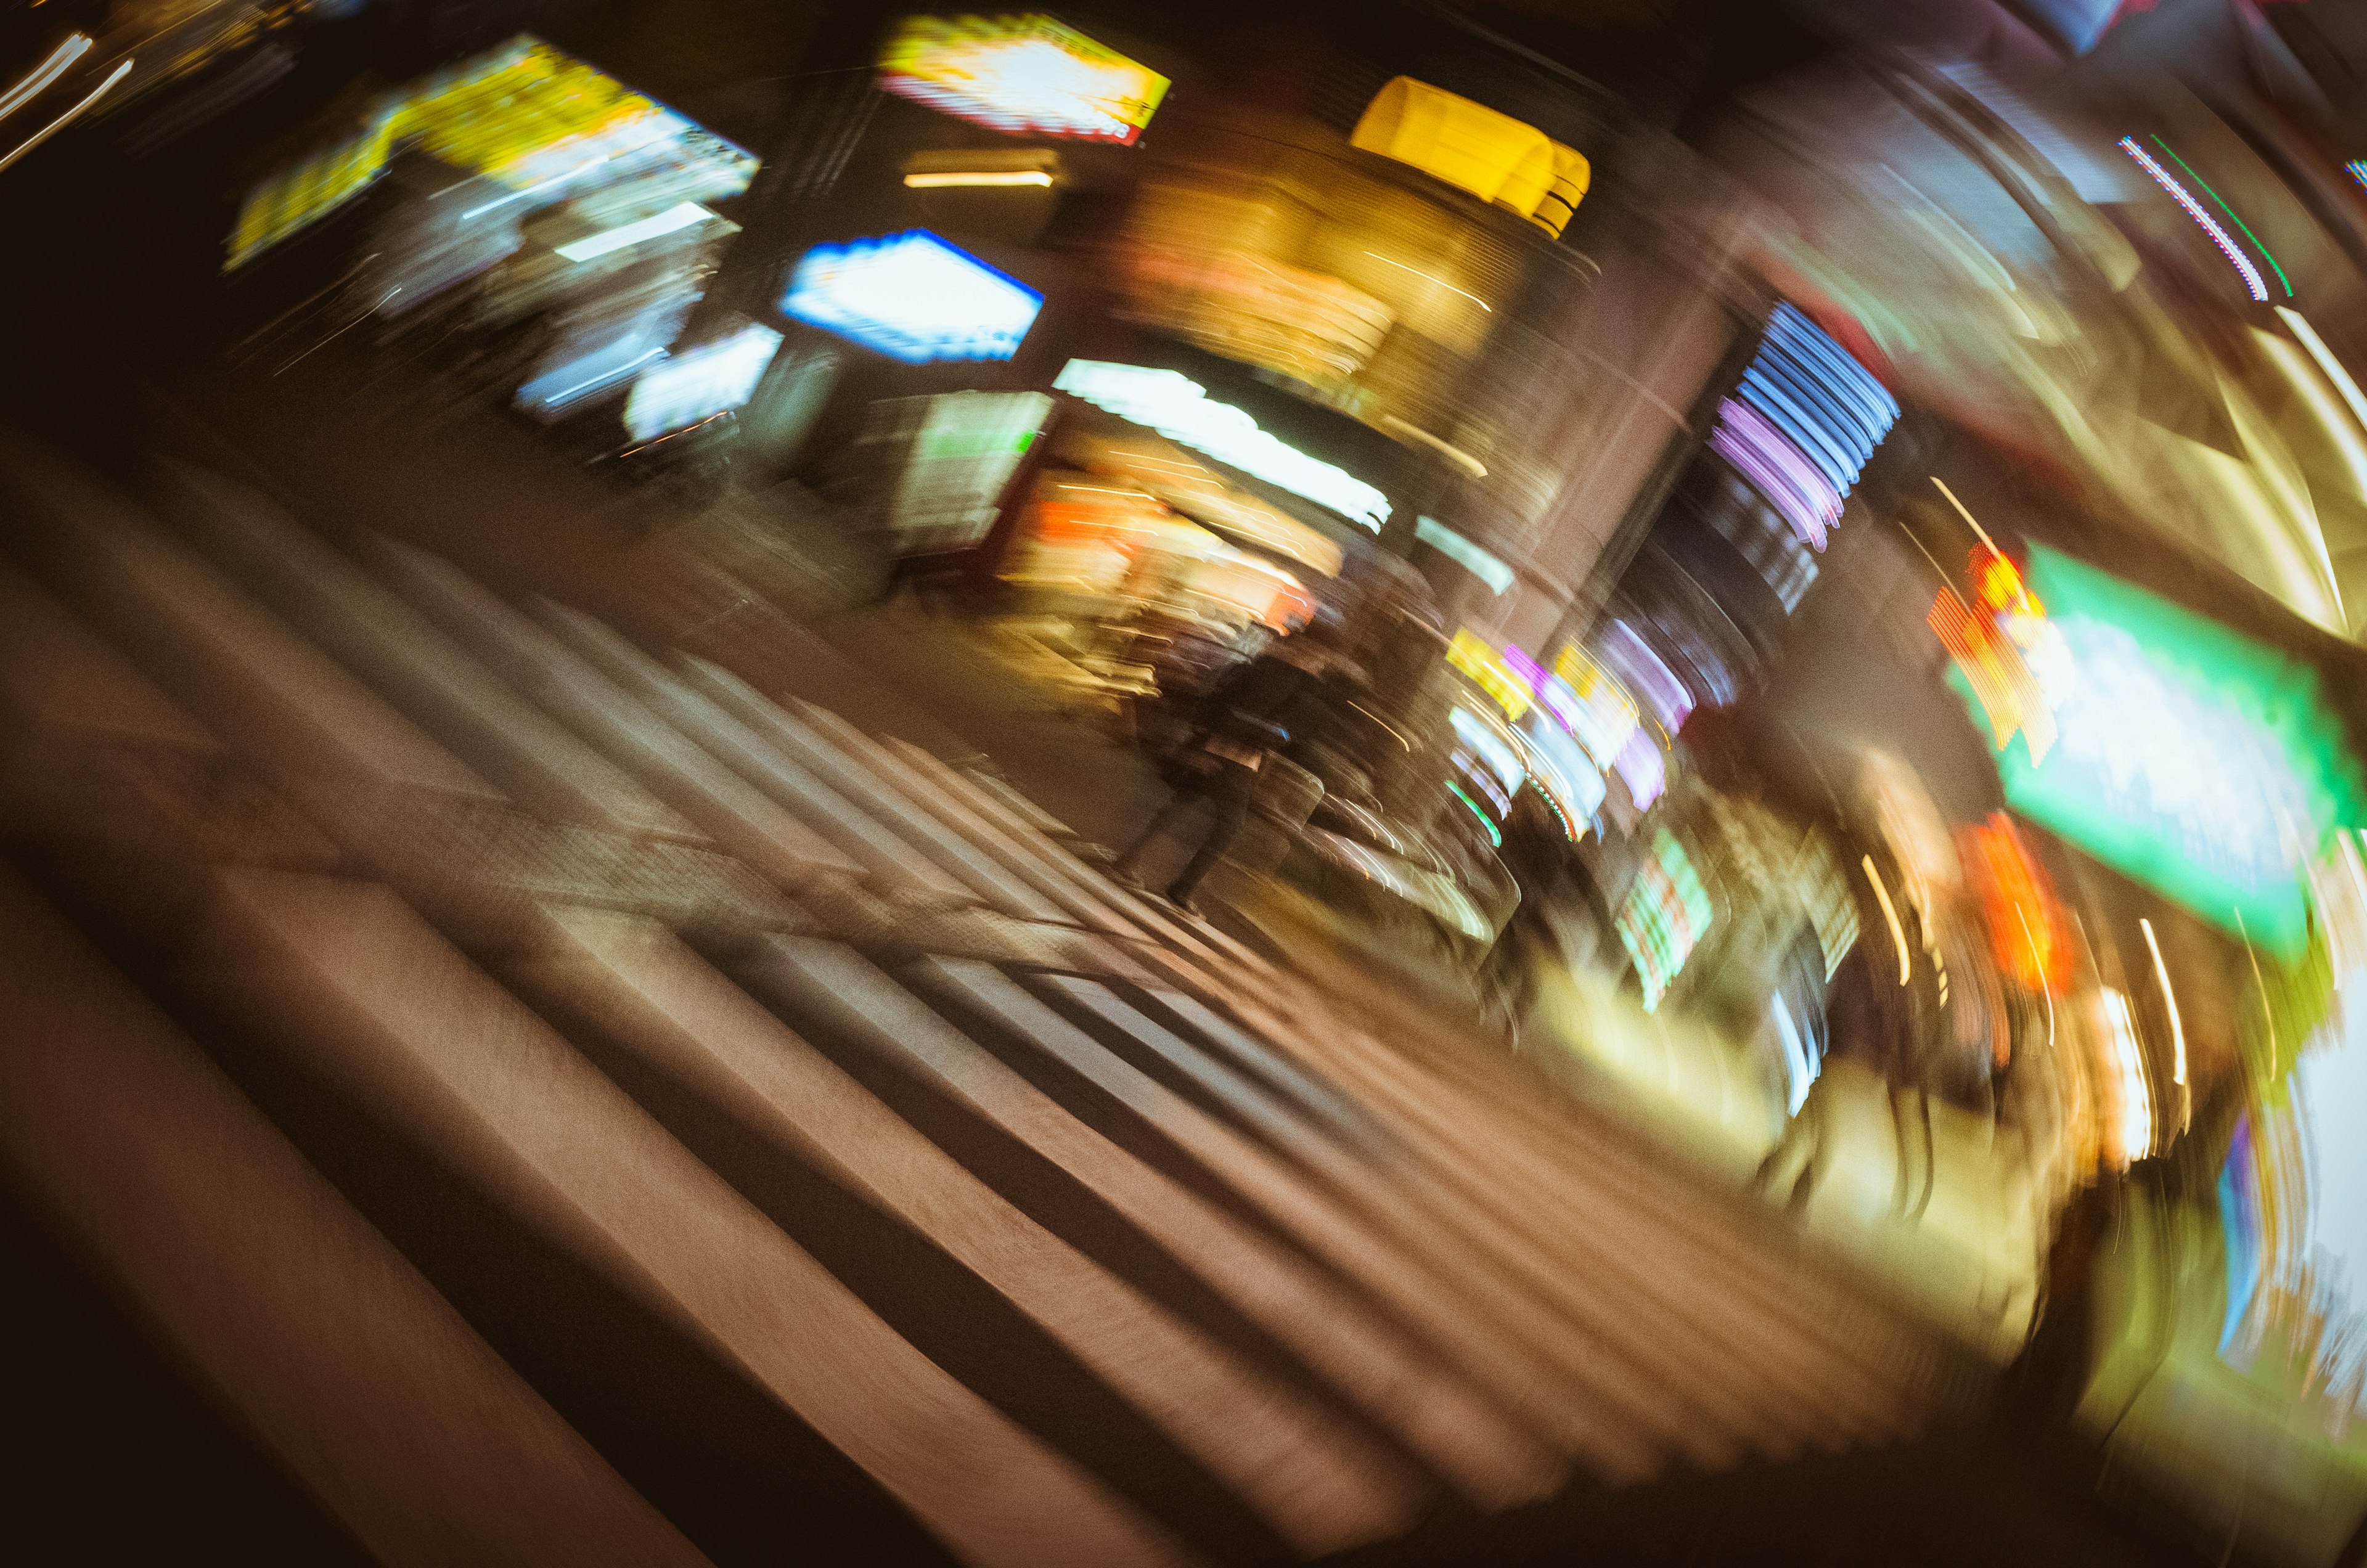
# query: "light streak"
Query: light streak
{"points": [[682, 215], [2137, 1097], [1493, 836], [2177, 1026], [1890, 913], [49, 71], [979, 177], [64, 119], [1444, 449], [2031, 937], [2231, 213], [1966, 515], [2268, 1013], [1385, 724], [2327, 362], [2163, 178], [1439, 281]]}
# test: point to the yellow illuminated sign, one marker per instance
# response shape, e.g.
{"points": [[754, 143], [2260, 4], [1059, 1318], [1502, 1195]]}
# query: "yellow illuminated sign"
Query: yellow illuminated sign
{"points": [[1501, 160], [1488, 671]]}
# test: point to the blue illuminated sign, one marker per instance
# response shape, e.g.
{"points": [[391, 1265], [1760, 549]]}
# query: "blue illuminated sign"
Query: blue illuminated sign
{"points": [[914, 298]]}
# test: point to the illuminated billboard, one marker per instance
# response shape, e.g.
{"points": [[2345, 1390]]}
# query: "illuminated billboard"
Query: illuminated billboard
{"points": [[2188, 758], [524, 115], [1025, 74], [914, 298], [1180, 409]]}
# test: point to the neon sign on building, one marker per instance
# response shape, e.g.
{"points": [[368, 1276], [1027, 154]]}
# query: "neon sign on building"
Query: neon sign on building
{"points": [[2192, 759]]}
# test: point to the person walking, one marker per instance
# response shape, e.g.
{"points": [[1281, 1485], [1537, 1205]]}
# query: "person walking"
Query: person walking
{"points": [[1536, 850], [1249, 717]]}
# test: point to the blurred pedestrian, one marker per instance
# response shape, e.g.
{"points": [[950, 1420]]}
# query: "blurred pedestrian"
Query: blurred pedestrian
{"points": [[1536, 850], [2045, 1383], [1248, 716]]}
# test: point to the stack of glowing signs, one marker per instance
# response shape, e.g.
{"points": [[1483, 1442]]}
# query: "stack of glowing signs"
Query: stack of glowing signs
{"points": [[2189, 759], [1488, 761], [1501, 160], [523, 114], [1665, 914], [1178, 409], [1602, 715], [1803, 423], [1025, 74], [1491, 674], [700, 382], [1572, 784], [912, 297]]}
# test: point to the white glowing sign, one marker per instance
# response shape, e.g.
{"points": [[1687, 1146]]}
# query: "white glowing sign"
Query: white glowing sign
{"points": [[914, 298], [699, 382], [1178, 409]]}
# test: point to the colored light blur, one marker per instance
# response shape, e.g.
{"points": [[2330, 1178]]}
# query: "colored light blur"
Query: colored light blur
{"points": [[673, 220], [700, 382], [1602, 715], [2239, 1226], [2029, 939], [1775, 468], [1025, 74], [1643, 673], [912, 297], [1490, 672], [1890, 914], [1642, 770], [1490, 746], [523, 114], [1664, 916], [71, 114], [1994, 641], [2232, 218], [978, 178], [2131, 1112], [1802, 423], [1464, 553], [47, 72], [1178, 409], [2193, 760], [1501, 160], [1571, 782], [2218, 236]]}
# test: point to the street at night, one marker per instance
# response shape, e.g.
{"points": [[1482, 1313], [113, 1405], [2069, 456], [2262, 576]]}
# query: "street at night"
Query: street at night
{"points": [[1184, 785]]}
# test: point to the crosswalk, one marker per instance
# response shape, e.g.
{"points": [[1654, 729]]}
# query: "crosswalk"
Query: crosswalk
{"points": [[565, 1105]]}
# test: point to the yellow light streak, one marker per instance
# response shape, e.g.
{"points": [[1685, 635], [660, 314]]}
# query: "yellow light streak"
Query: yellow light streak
{"points": [[1890, 913], [979, 177]]}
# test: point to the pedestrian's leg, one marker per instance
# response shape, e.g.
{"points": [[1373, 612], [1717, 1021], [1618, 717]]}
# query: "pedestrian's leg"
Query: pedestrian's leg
{"points": [[1232, 800], [1130, 862], [1931, 1153]]}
